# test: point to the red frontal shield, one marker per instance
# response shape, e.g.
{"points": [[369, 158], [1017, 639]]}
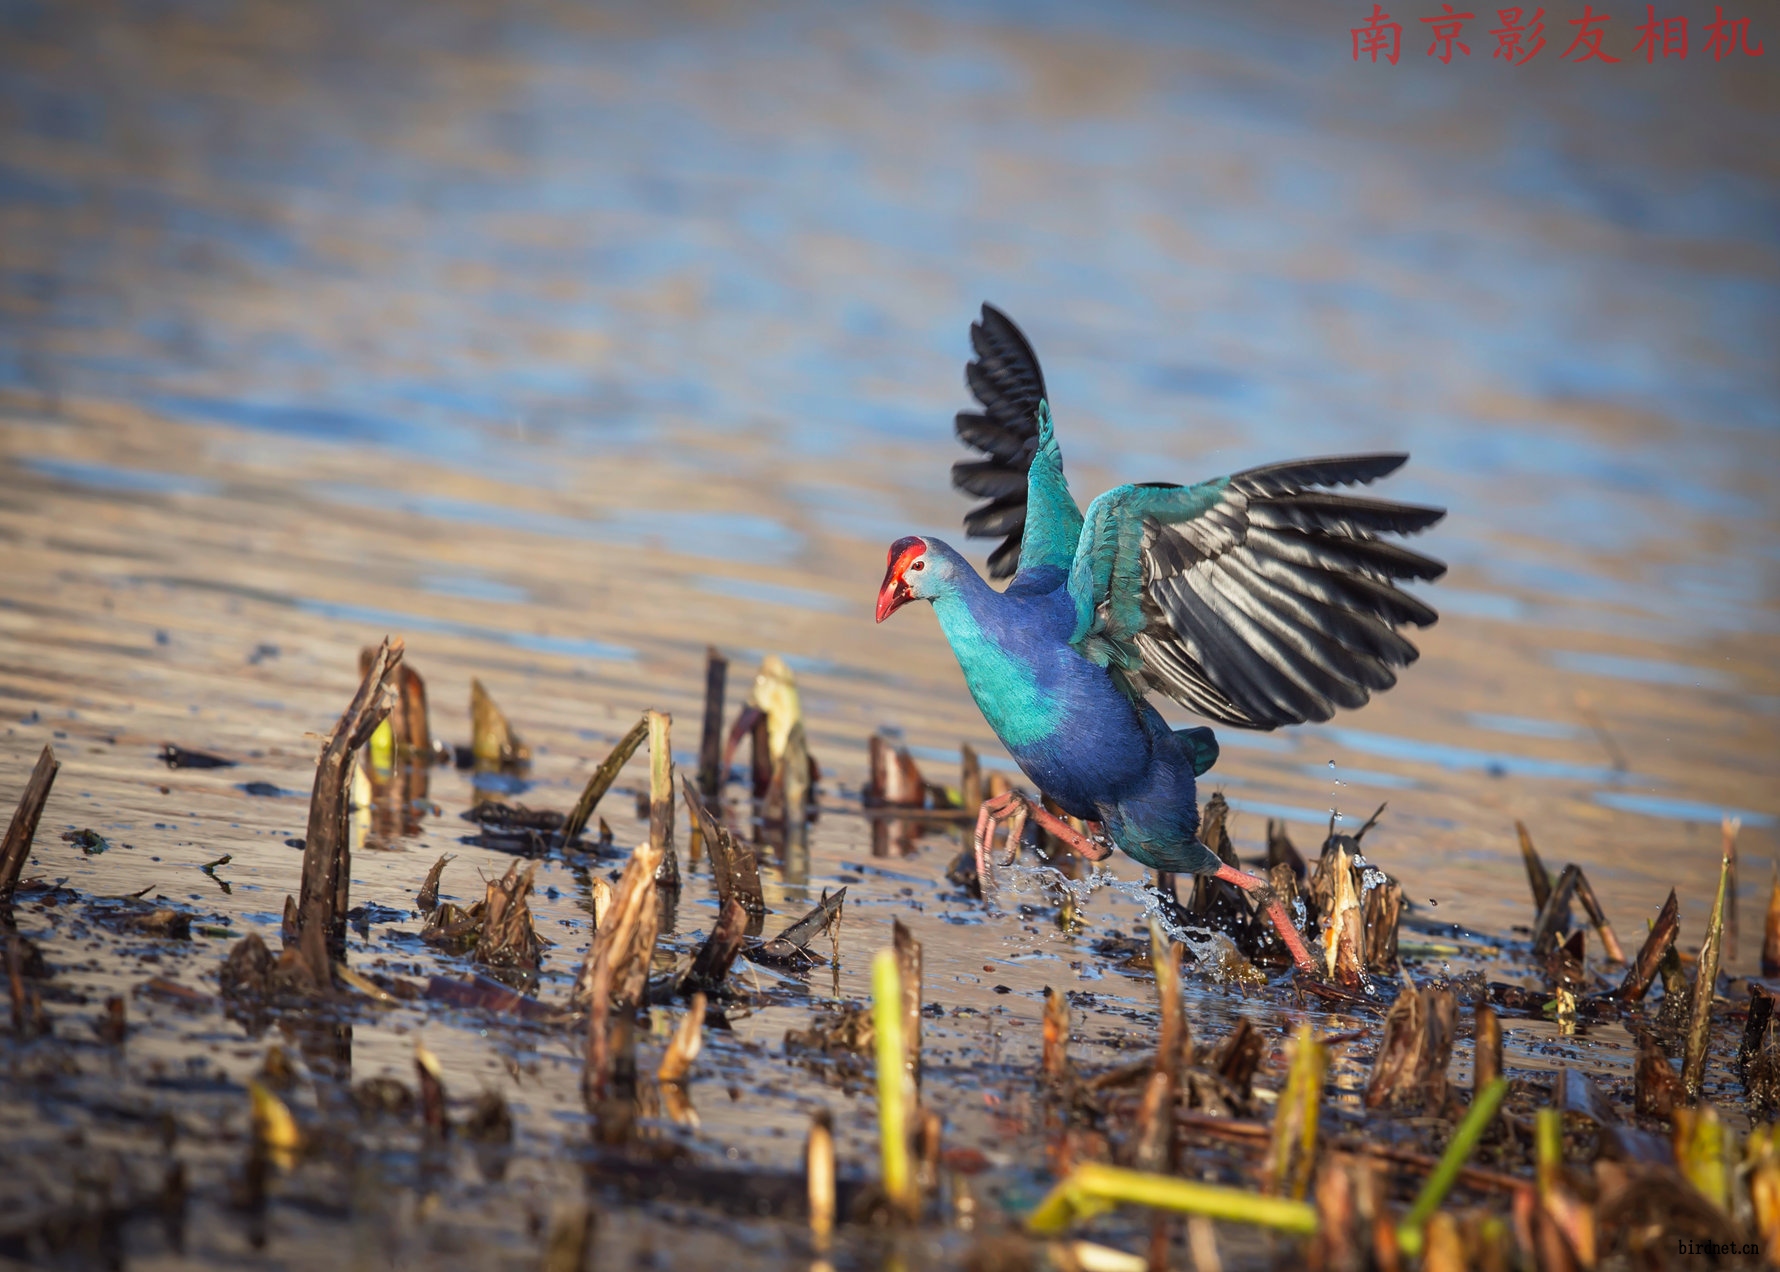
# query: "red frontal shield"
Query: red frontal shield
{"points": [[895, 591]]}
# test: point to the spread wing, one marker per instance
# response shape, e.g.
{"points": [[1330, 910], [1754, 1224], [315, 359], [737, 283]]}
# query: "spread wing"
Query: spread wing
{"points": [[1258, 599], [1021, 475]]}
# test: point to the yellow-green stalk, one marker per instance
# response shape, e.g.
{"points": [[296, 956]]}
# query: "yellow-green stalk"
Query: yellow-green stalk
{"points": [[893, 1084], [1693, 1068], [1446, 1172], [1295, 1118], [1092, 1188]]}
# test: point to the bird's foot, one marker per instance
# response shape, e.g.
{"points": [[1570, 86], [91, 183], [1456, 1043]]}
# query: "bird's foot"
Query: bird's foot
{"points": [[1276, 911], [1016, 809]]}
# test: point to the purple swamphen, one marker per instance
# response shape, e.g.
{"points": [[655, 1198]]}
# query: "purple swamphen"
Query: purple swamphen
{"points": [[1255, 600]]}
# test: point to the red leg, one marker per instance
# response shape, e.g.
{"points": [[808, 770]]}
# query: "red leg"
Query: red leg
{"points": [[1014, 809], [1282, 922], [1080, 844], [1011, 807]]}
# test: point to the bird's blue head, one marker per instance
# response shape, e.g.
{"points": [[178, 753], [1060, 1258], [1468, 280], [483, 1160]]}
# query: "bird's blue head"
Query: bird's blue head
{"points": [[918, 570]]}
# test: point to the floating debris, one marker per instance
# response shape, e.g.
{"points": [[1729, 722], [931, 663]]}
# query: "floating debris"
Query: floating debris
{"points": [[176, 757], [90, 842], [793, 943]]}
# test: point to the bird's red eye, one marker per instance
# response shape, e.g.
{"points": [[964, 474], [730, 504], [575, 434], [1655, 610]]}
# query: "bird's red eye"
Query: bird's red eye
{"points": [[919, 565]]}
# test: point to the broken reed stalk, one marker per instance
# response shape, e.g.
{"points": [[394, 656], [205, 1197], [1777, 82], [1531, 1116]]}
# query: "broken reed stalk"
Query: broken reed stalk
{"points": [[570, 1242], [1699, 1025], [819, 1171], [908, 970], [1598, 917], [1770, 941], [1458, 1150], [1092, 1188], [710, 966], [1056, 1035], [1486, 1047], [493, 743], [1293, 1150], [23, 828], [1537, 878], [710, 741], [661, 798], [1565, 1222], [683, 1049], [1554, 916], [616, 971], [509, 939], [970, 780], [1155, 1118], [327, 850], [789, 793], [1344, 936], [735, 869], [1702, 1151], [1650, 957], [431, 1077], [602, 779], [894, 1096], [428, 896]]}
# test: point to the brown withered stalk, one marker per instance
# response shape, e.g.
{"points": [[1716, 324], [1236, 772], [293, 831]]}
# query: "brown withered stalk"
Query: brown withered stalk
{"points": [[602, 778], [1414, 1051], [327, 849], [1344, 936], [970, 780], [819, 1171], [661, 799], [734, 866], [1554, 918], [1597, 916], [509, 938], [1056, 1036], [1656, 1087], [616, 971], [492, 740], [908, 967], [683, 1048], [710, 966], [1486, 1046], [1154, 1147], [1699, 1027], [1538, 879], [710, 740], [428, 896], [23, 827], [1661, 940], [1770, 940]]}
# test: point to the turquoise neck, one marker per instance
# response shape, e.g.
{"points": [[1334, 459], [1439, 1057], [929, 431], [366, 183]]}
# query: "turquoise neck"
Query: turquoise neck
{"points": [[1004, 687]]}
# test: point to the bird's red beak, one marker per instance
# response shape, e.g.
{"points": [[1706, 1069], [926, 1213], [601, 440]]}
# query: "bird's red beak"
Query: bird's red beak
{"points": [[895, 592]]}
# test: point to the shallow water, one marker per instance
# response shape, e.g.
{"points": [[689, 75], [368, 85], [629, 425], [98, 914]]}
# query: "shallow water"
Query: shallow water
{"points": [[565, 343]]}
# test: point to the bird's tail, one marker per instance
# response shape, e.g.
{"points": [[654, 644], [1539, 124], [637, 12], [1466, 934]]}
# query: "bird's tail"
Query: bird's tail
{"points": [[1202, 745]]}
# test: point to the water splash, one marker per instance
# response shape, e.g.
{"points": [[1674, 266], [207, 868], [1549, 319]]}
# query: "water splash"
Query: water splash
{"points": [[1335, 784]]}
